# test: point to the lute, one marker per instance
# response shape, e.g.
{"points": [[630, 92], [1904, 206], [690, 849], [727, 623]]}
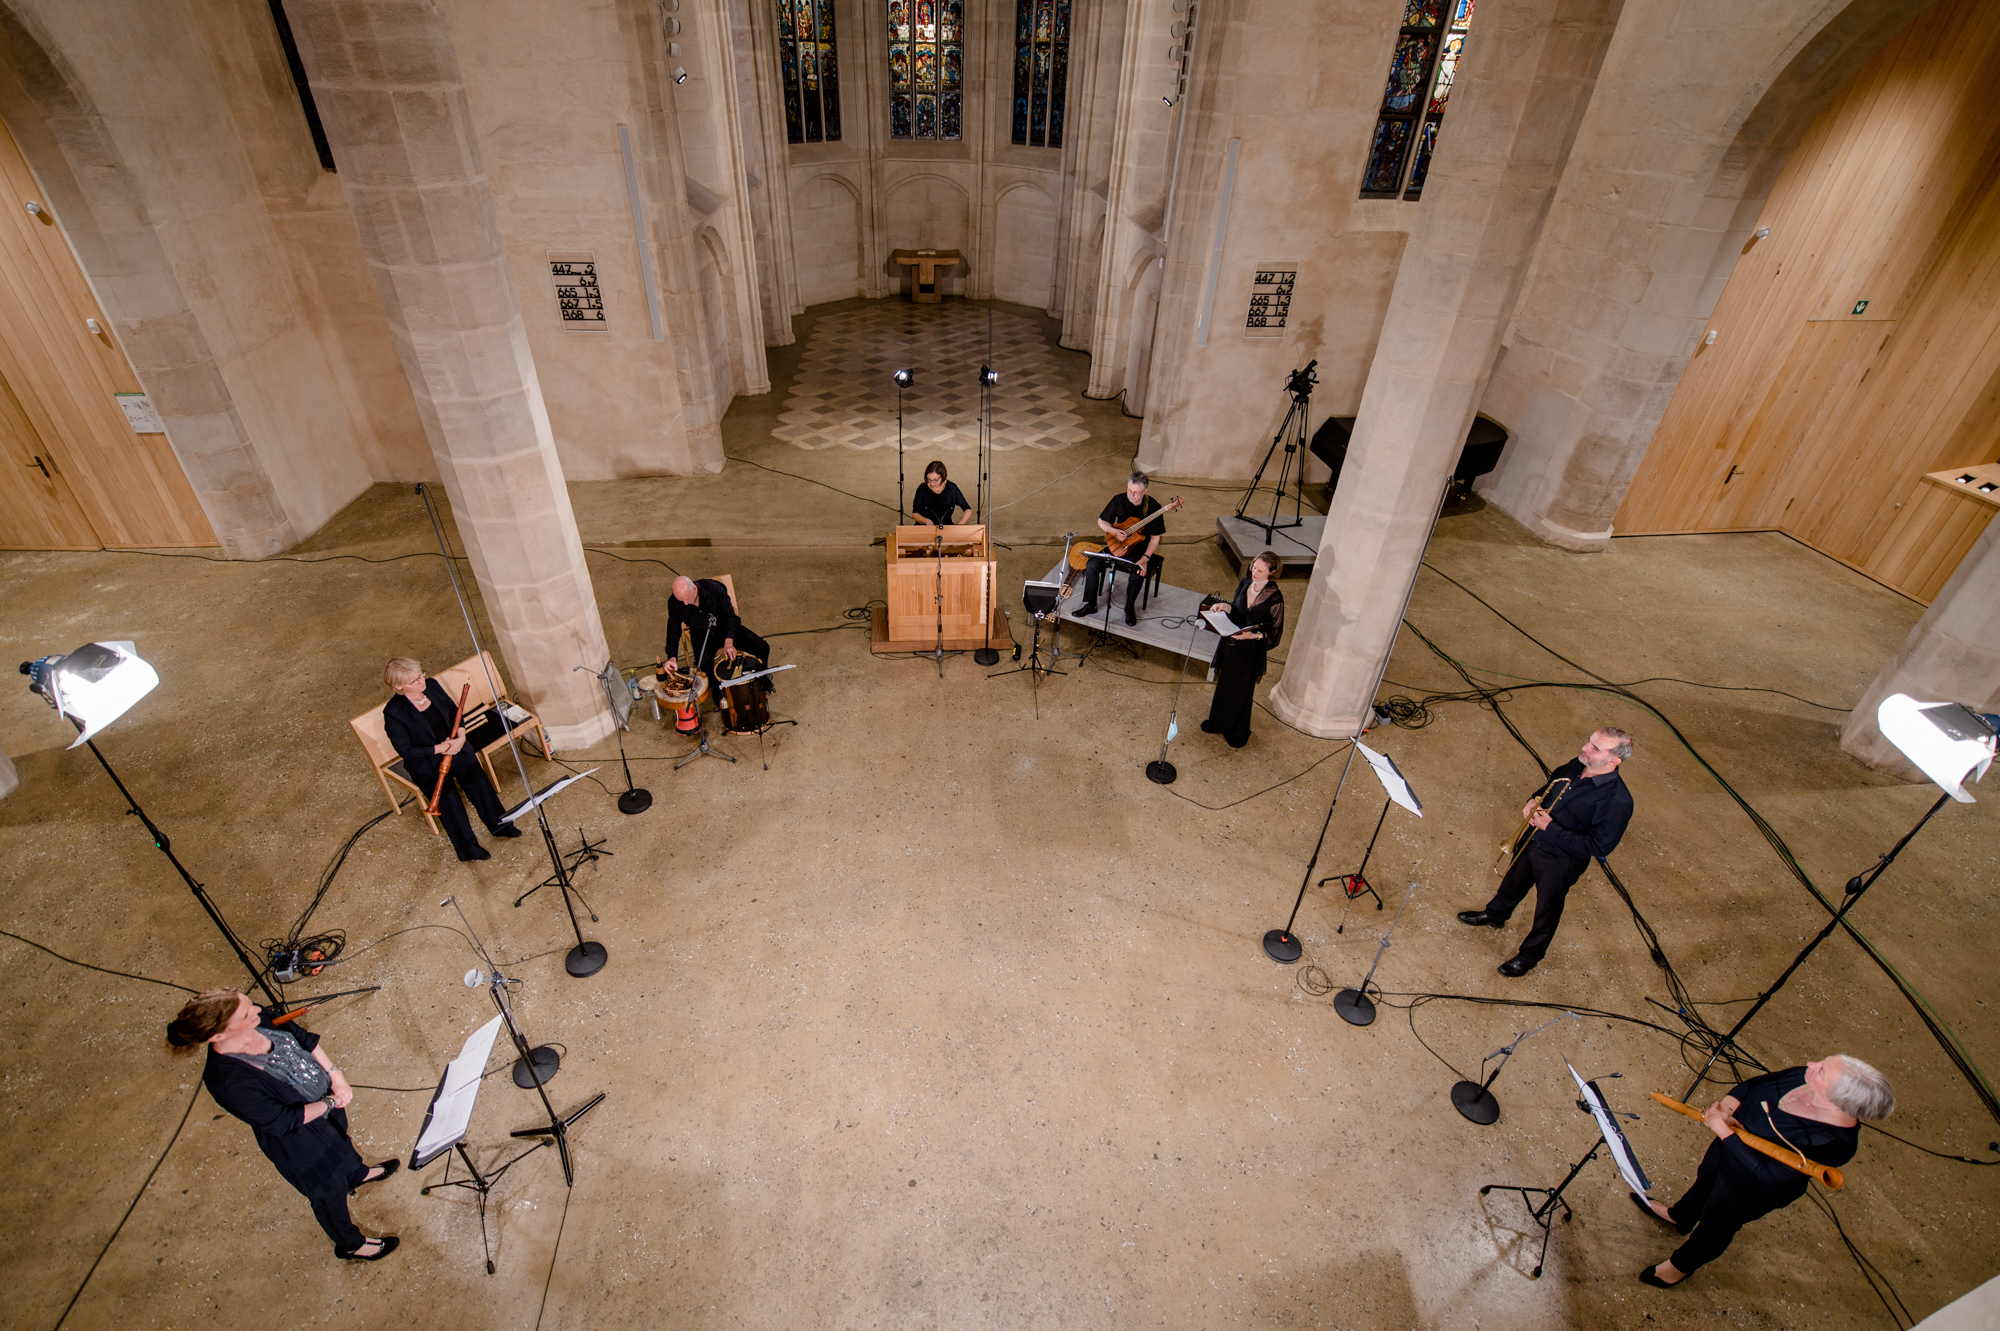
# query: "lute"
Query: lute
{"points": [[1120, 546]]}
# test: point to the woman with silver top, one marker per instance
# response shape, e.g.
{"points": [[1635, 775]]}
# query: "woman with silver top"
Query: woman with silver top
{"points": [[1815, 1110], [279, 1080]]}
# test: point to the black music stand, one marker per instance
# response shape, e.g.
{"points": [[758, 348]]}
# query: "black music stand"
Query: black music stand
{"points": [[1608, 1134], [1356, 884], [1281, 945], [1112, 563]]}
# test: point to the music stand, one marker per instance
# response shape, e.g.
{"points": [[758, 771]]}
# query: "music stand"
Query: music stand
{"points": [[586, 958], [1608, 1134], [1111, 564], [1282, 945], [619, 694], [769, 724]]}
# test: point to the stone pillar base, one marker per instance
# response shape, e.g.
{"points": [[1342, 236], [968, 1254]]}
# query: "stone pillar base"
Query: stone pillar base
{"points": [[1566, 538]]}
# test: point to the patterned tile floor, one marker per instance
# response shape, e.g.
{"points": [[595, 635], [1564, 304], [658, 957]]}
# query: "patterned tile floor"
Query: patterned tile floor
{"points": [[843, 396]]}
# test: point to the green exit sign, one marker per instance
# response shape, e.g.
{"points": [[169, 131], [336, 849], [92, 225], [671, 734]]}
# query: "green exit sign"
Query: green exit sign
{"points": [[1860, 305]]}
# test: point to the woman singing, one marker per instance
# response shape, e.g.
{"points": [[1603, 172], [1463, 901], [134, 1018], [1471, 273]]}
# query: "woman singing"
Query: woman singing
{"points": [[278, 1080], [1814, 1110], [1258, 611], [418, 721]]}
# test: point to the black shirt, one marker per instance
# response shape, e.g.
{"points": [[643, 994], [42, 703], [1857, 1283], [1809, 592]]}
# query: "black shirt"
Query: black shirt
{"points": [[1589, 817], [1822, 1143], [1121, 508], [938, 507], [712, 599]]}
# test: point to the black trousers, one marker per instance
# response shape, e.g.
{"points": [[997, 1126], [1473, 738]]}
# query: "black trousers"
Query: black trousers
{"points": [[1093, 580], [466, 775], [1719, 1204], [331, 1211], [745, 641], [1551, 876]]}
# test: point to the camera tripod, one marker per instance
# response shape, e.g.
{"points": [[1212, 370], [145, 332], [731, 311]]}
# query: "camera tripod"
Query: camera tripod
{"points": [[1292, 434]]}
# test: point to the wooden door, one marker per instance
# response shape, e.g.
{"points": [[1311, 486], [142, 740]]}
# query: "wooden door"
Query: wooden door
{"points": [[37, 511], [64, 377]]}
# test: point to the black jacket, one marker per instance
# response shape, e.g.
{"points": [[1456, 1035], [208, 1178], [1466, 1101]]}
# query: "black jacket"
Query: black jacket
{"points": [[316, 1157], [1590, 817], [415, 734], [712, 599]]}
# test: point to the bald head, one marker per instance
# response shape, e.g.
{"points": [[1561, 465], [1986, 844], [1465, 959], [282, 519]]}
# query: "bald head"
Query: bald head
{"points": [[684, 591]]}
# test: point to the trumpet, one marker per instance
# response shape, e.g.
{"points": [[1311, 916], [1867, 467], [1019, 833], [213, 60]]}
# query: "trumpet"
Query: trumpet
{"points": [[1517, 841]]}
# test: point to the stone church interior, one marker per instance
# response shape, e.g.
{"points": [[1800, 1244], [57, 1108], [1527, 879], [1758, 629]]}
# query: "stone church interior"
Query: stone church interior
{"points": [[1614, 381]]}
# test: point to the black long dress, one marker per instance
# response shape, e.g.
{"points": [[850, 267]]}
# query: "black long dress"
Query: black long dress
{"points": [[1239, 662]]}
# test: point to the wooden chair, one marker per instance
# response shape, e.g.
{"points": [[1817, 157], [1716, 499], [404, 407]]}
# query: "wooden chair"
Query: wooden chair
{"points": [[729, 585], [480, 722]]}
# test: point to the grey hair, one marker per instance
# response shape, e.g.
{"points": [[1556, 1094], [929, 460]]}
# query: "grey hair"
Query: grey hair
{"points": [[1860, 1090], [1621, 748], [1138, 478]]}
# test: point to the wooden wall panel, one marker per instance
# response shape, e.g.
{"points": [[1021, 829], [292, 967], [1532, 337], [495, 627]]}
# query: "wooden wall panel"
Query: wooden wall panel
{"points": [[1803, 415]]}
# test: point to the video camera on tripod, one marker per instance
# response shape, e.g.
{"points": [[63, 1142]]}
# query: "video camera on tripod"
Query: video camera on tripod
{"points": [[1300, 384]]}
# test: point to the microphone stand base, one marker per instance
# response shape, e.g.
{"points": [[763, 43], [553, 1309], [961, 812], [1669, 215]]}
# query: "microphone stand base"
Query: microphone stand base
{"points": [[1284, 948], [635, 801], [547, 1062], [986, 656], [1475, 1103], [1355, 1008], [585, 959], [1161, 772]]}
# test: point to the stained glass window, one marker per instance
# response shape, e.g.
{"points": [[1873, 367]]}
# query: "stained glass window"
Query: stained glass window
{"points": [[1421, 71], [812, 81], [1041, 71], [927, 69]]}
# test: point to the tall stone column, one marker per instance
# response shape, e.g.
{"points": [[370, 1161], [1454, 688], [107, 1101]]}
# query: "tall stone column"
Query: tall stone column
{"points": [[1526, 83], [1952, 655], [386, 77]]}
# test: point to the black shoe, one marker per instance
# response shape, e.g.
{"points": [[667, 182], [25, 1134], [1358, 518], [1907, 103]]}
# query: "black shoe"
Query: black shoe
{"points": [[1086, 610], [1515, 967], [1646, 1277], [388, 1242], [1210, 728], [1131, 616], [1651, 1214], [387, 1167], [1478, 918], [1237, 743], [504, 830], [476, 853]]}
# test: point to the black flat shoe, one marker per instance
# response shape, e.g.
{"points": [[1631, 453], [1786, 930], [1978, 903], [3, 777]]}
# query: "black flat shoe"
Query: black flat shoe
{"points": [[1131, 615], [387, 1167], [1210, 728], [1514, 967], [475, 854], [1651, 1214], [1479, 918], [388, 1242], [1086, 610], [508, 831], [1646, 1277]]}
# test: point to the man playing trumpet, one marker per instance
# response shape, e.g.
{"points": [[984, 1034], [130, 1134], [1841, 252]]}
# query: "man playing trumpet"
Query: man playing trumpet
{"points": [[1584, 819]]}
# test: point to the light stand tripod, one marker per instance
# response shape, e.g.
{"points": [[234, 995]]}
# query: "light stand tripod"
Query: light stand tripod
{"points": [[1292, 434], [1356, 884], [166, 848], [1856, 886], [903, 380], [1474, 1099], [1354, 1005], [586, 958]]}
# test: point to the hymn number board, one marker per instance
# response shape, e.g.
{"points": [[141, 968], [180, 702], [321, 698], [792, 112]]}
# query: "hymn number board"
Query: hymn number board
{"points": [[579, 300], [1270, 300]]}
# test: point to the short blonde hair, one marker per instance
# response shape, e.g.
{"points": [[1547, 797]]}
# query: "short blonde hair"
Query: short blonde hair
{"points": [[402, 670]]}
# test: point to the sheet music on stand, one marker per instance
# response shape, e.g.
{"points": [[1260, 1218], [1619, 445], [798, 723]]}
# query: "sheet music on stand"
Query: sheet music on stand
{"points": [[1614, 1136], [450, 1113], [1393, 782], [527, 805]]}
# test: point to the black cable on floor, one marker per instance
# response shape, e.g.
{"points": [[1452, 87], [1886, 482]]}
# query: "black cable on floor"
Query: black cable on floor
{"points": [[102, 970], [632, 559], [185, 1115], [1898, 1311], [1217, 808], [810, 481]]}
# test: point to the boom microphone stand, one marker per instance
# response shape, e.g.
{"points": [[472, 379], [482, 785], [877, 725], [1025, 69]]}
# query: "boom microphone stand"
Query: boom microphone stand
{"points": [[937, 563], [1354, 1005], [702, 748], [1161, 772], [1474, 1099], [1292, 434], [587, 957]]}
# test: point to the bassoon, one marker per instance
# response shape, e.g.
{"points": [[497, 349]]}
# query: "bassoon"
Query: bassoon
{"points": [[444, 768]]}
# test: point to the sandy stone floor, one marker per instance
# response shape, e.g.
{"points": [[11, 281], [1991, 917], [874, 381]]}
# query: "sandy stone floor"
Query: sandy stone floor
{"points": [[950, 1017]]}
